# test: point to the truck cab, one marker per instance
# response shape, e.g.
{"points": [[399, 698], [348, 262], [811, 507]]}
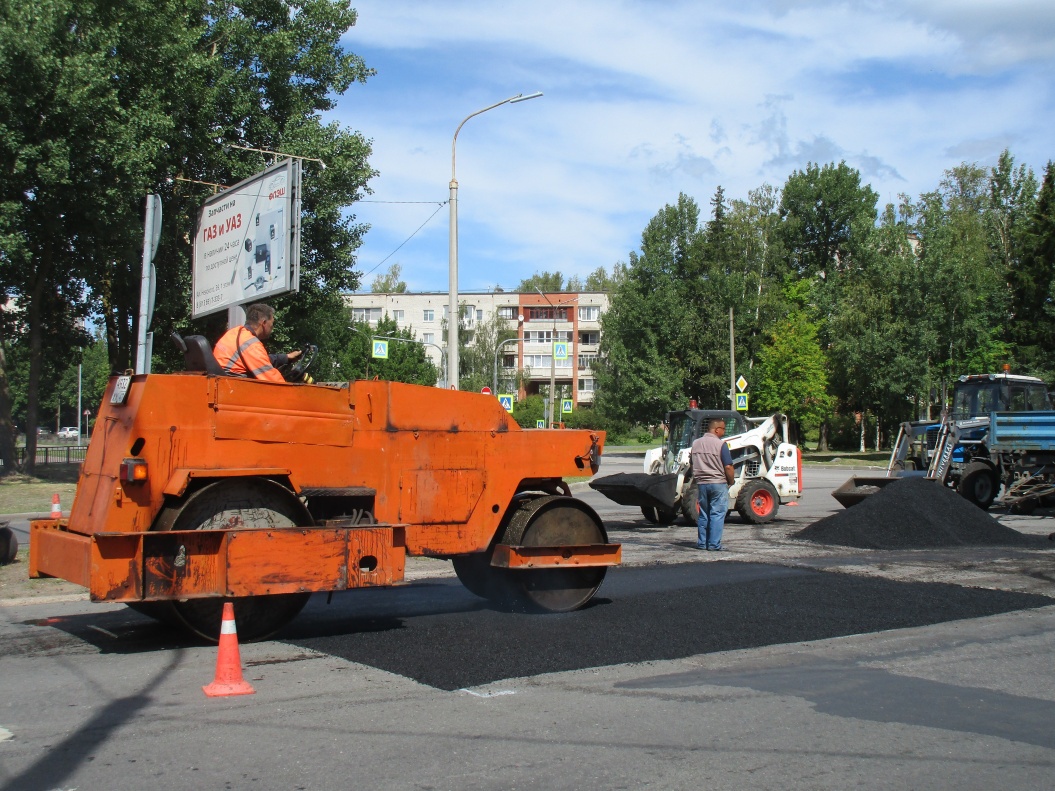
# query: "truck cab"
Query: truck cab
{"points": [[980, 395]]}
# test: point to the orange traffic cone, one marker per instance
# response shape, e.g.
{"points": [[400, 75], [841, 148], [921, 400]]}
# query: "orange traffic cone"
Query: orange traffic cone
{"points": [[56, 509], [228, 679]]}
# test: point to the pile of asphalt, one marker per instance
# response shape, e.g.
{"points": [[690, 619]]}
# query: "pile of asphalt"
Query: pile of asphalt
{"points": [[442, 636], [915, 513]]}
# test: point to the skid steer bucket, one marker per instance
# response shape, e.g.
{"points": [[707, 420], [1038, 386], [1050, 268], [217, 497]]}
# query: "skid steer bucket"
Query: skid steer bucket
{"points": [[858, 488], [639, 488]]}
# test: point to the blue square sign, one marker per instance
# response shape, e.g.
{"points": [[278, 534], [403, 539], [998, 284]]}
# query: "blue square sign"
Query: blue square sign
{"points": [[741, 402]]}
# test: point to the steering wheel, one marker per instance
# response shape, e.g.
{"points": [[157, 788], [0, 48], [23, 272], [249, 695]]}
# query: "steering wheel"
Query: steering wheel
{"points": [[298, 372]]}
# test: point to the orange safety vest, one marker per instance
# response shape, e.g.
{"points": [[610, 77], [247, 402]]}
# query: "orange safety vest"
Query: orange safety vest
{"points": [[240, 352]]}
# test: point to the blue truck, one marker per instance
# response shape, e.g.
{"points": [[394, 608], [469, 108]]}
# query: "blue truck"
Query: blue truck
{"points": [[999, 432]]}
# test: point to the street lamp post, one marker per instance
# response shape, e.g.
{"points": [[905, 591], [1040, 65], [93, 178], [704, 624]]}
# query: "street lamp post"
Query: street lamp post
{"points": [[552, 355], [454, 319]]}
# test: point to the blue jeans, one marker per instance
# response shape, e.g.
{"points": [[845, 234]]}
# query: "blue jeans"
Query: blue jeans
{"points": [[714, 503]]}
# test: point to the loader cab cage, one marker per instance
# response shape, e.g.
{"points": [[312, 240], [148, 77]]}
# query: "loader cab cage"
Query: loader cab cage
{"points": [[688, 425], [977, 396]]}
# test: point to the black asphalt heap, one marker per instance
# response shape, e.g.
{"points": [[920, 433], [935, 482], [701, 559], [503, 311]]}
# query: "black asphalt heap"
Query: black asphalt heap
{"points": [[442, 636], [915, 513]]}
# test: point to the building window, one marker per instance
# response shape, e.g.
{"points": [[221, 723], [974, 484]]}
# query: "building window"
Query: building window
{"points": [[586, 361], [372, 315], [589, 313], [397, 315], [546, 336], [508, 312], [543, 361], [428, 315], [587, 385], [589, 338], [479, 315], [428, 337], [547, 314]]}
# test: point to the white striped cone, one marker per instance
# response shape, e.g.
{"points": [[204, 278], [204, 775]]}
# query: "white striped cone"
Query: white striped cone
{"points": [[56, 509], [228, 679]]}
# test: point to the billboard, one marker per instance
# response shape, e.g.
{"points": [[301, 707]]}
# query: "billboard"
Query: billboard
{"points": [[247, 242]]}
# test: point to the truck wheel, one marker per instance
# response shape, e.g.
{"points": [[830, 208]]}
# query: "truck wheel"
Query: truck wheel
{"points": [[757, 502], [1024, 507], [8, 545], [690, 500], [659, 515], [553, 521], [978, 484], [248, 503]]}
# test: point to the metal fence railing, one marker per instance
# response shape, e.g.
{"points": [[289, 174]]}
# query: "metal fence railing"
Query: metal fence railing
{"points": [[53, 454]]}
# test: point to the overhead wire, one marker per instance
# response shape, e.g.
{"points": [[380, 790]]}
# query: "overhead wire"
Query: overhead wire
{"points": [[441, 205]]}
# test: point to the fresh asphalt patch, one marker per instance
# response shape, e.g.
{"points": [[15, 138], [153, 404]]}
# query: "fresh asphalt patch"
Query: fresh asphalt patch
{"points": [[440, 635]]}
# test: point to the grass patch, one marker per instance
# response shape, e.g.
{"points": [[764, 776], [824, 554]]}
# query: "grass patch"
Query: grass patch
{"points": [[20, 494]]}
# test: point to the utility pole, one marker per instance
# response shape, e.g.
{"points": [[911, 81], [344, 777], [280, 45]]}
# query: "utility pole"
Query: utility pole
{"points": [[732, 363]]}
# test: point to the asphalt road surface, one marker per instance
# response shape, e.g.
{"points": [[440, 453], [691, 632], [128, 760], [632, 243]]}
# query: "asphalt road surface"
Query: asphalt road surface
{"points": [[769, 666]]}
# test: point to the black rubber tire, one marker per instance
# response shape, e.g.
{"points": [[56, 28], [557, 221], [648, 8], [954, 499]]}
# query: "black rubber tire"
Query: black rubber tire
{"points": [[552, 521], [1024, 507], [650, 514], [8, 545], [690, 504], [758, 502], [666, 516], [250, 502], [979, 484]]}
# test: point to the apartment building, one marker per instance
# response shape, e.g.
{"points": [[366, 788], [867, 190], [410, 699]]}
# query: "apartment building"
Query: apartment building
{"points": [[570, 317]]}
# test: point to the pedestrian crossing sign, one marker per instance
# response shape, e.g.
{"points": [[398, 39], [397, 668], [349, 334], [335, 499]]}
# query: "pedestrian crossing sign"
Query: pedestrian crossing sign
{"points": [[560, 351], [565, 405], [741, 402], [381, 349], [507, 402], [540, 424]]}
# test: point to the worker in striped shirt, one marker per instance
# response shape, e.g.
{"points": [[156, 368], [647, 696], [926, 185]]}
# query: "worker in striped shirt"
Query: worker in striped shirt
{"points": [[241, 350]]}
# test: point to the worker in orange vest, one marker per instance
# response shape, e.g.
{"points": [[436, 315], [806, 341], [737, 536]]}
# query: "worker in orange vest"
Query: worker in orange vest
{"points": [[241, 352]]}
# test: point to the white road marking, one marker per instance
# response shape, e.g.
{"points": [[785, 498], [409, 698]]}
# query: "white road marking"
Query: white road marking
{"points": [[104, 631], [5, 734], [490, 694]]}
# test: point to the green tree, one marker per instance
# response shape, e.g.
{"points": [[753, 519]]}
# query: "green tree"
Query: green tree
{"points": [[1032, 281], [547, 282], [600, 280], [407, 361], [791, 375], [389, 282], [528, 412], [476, 357], [640, 375]]}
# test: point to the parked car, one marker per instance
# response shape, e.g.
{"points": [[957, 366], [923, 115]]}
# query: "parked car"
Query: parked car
{"points": [[68, 432]]}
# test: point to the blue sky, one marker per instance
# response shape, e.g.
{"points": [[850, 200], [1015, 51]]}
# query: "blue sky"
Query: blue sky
{"points": [[643, 100]]}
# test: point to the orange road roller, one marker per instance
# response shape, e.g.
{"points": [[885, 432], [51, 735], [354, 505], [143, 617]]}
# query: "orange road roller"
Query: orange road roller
{"points": [[200, 488]]}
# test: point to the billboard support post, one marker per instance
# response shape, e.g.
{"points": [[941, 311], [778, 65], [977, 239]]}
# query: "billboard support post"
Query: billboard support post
{"points": [[151, 234]]}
